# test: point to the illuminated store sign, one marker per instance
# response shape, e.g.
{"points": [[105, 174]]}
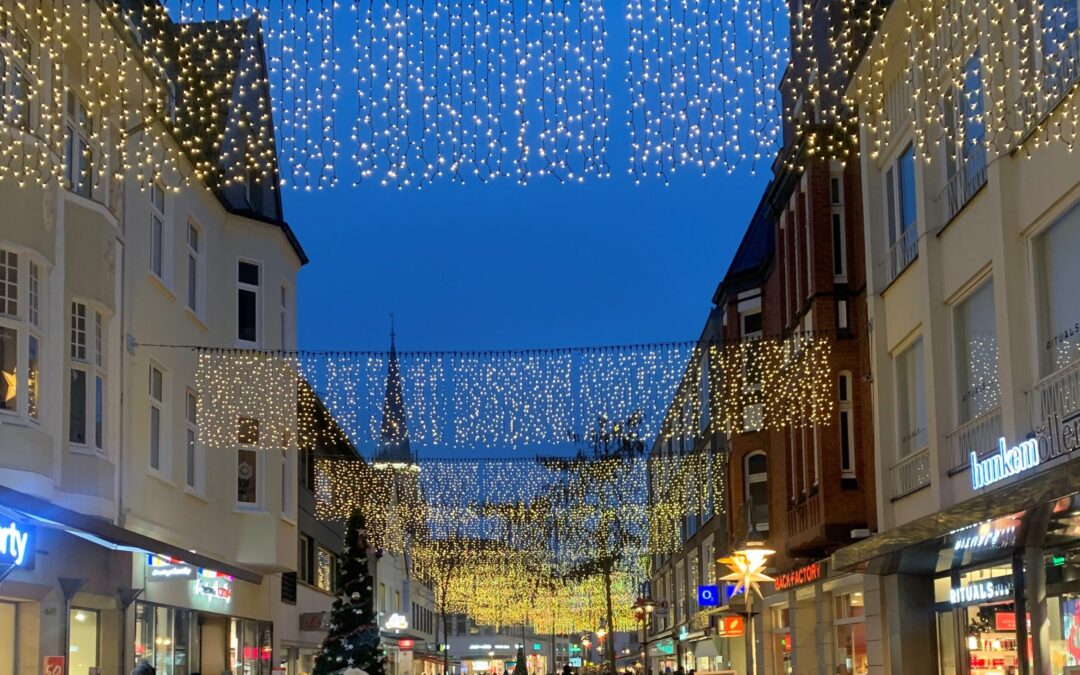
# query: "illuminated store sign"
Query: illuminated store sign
{"points": [[159, 568], [479, 647], [16, 545], [396, 622], [215, 589], [999, 533], [980, 592], [799, 576], [1004, 463], [708, 596], [731, 626]]}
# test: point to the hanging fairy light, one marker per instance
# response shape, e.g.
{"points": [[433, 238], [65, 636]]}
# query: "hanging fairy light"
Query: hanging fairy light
{"points": [[521, 398]]}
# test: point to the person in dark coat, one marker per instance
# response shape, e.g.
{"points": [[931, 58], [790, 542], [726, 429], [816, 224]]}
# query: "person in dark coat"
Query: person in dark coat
{"points": [[567, 670], [143, 667]]}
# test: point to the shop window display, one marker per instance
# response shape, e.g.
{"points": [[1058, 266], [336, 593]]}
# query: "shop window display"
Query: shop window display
{"points": [[781, 625], [250, 647], [850, 625], [167, 638]]}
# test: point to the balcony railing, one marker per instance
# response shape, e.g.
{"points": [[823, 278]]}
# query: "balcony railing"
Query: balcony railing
{"points": [[911, 473], [805, 515], [901, 254], [1057, 394], [980, 435], [963, 185]]}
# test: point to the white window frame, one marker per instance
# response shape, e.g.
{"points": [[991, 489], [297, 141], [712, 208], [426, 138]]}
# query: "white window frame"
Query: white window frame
{"points": [[25, 321], [894, 182], [260, 480], [846, 423], [251, 288], [89, 358], [164, 468], [195, 268], [159, 232], [14, 63], [286, 333], [194, 452], [75, 132], [756, 477], [901, 442]]}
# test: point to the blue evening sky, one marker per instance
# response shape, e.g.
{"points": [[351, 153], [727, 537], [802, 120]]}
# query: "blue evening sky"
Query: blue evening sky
{"points": [[498, 265], [504, 266]]}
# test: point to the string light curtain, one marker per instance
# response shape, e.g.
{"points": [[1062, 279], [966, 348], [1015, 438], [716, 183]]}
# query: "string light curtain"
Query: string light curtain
{"points": [[517, 399]]}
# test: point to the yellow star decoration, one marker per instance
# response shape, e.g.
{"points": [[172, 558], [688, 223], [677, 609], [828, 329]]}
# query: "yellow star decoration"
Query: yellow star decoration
{"points": [[746, 569], [11, 384]]}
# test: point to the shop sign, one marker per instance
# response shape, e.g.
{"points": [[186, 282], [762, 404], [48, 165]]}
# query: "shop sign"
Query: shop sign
{"points": [[980, 592], [159, 568], [406, 645], [575, 661], [684, 633], [731, 626], [800, 576], [313, 621], [708, 596], [536, 646], [16, 545], [396, 622], [214, 589], [574, 649], [54, 665], [1005, 622], [480, 665], [479, 647], [1004, 463], [502, 646], [1058, 436], [1000, 533]]}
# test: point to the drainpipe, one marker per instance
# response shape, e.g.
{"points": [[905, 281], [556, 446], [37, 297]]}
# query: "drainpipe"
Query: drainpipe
{"points": [[125, 596]]}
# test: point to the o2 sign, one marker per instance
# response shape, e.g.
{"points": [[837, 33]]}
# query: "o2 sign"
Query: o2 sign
{"points": [[708, 596]]}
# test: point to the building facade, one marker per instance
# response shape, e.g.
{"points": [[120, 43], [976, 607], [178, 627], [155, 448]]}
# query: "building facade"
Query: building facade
{"points": [[971, 223], [103, 479]]}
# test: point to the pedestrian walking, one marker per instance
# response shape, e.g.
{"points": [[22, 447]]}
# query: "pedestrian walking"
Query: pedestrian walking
{"points": [[143, 667]]}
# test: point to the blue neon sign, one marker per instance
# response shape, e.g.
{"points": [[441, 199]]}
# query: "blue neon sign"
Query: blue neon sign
{"points": [[16, 545]]}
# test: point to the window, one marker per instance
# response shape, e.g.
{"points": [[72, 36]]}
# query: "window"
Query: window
{"points": [[849, 622], [397, 601], [974, 152], [157, 230], [839, 246], [16, 83], [78, 147], [157, 406], [976, 354], [304, 568], [846, 426], [757, 490], [86, 399], [1059, 45], [193, 270], [247, 302], [9, 283], [168, 639], [901, 213], [325, 570], [911, 400], [9, 374], [834, 191], [193, 459], [284, 316], [842, 320], [83, 640], [247, 477], [382, 598], [286, 485], [1058, 277]]}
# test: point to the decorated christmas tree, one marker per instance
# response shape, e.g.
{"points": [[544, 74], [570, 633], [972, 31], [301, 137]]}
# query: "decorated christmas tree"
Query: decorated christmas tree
{"points": [[352, 643], [519, 667]]}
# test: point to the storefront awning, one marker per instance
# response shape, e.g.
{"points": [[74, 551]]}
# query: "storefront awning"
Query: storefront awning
{"points": [[884, 553], [111, 536]]}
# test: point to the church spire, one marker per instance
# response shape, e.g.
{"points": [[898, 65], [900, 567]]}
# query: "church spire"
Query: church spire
{"points": [[393, 443]]}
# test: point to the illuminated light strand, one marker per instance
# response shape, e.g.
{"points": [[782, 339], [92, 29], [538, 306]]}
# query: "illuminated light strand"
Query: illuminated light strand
{"points": [[521, 398]]}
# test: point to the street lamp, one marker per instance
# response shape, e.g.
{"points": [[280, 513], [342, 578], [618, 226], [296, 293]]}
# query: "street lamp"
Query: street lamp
{"points": [[643, 609], [747, 565]]}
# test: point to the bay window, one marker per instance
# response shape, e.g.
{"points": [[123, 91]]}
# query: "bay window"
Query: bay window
{"points": [[247, 302], [86, 391], [20, 334], [78, 146]]}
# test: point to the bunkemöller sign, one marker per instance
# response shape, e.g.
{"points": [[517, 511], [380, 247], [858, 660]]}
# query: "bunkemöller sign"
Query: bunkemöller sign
{"points": [[1004, 463]]}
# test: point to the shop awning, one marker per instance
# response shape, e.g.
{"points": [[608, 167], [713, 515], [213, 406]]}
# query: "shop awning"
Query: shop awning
{"points": [[883, 553], [106, 534]]}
